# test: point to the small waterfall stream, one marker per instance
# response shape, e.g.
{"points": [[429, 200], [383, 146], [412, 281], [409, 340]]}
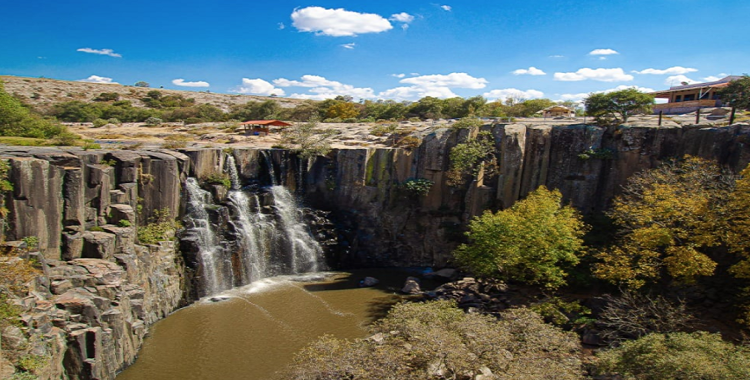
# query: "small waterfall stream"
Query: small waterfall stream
{"points": [[267, 235]]}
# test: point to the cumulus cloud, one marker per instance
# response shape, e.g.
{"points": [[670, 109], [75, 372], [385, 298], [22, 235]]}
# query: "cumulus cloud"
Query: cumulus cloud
{"points": [[321, 88], [402, 17], [513, 93], [258, 87], [398, 75], [579, 97], [603, 52], [530, 71], [714, 78], [98, 79], [338, 22], [674, 70], [602, 75], [446, 8], [281, 26], [574, 97], [182, 83], [677, 80], [460, 80], [108, 52], [625, 87], [349, 45]]}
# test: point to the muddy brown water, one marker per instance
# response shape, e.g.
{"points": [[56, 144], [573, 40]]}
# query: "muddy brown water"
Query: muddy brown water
{"points": [[254, 331]]}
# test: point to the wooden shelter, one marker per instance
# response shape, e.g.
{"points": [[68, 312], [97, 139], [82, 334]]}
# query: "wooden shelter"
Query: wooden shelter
{"points": [[262, 127], [691, 97], [557, 111]]}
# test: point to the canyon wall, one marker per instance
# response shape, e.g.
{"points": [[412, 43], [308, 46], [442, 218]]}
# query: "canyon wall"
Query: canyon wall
{"points": [[101, 288]]}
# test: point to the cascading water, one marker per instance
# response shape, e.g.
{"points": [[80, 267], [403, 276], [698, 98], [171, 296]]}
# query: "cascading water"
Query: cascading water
{"points": [[198, 222], [268, 234]]}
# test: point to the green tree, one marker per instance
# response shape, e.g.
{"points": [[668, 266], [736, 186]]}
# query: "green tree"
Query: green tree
{"points": [[737, 93], [427, 108], [473, 156], [17, 120], [142, 84], [617, 106], [669, 219], [534, 242]]}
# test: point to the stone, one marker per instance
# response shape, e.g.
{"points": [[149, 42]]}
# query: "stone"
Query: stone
{"points": [[98, 245], [13, 338], [449, 274], [368, 282], [411, 286], [120, 212]]}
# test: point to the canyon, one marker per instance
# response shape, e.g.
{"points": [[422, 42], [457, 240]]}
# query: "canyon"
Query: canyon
{"points": [[102, 288]]}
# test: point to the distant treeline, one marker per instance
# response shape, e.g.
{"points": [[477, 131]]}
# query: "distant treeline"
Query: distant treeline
{"points": [[176, 108]]}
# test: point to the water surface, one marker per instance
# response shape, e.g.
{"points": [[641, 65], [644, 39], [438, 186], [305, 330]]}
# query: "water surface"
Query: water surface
{"points": [[255, 331]]}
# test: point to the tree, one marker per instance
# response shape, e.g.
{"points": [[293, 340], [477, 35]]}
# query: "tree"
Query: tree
{"points": [[669, 219], [737, 93], [438, 341], [738, 220], [142, 84], [342, 110], [617, 106], [472, 157], [311, 141], [17, 120], [533, 242]]}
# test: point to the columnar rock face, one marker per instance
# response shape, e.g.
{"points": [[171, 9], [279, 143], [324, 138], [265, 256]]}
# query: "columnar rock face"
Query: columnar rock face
{"points": [[101, 289]]}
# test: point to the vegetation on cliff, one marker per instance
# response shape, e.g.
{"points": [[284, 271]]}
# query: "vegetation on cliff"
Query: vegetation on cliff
{"points": [[18, 120], [616, 107]]}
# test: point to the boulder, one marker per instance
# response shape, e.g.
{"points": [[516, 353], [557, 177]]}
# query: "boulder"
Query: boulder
{"points": [[368, 281], [98, 245], [411, 286]]}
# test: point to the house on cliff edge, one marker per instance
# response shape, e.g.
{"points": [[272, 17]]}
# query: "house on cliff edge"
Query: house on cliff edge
{"points": [[692, 97]]}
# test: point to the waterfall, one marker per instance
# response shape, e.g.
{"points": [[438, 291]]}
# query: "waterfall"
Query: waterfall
{"points": [[268, 237], [271, 171], [198, 222]]}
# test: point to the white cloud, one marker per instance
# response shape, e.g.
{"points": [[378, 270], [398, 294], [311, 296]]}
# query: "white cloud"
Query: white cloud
{"points": [[603, 52], [416, 92], [321, 88], [674, 70], [398, 75], [574, 97], [182, 83], [557, 56], [281, 26], [350, 45], [460, 80], [505, 93], [602, 75], [446, 8], [108, 52], [677, 80], [98, 79], [530, 71], [258, 87], [625, 87], [338, 22], [402, 17]]}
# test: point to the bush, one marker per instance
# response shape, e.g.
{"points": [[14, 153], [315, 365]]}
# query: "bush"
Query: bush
{"points": [[160, 228], [417, 186], [678, 356], [436, 340], [534, 242], [176, 141], [632, 316], [153, 122], [98, 123], [114, 121], [219, 179], [470, 123], [472, 157], [107, 97]]}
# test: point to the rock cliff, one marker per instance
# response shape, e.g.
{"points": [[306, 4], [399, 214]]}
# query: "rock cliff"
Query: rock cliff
{"points": [[101, 289]]}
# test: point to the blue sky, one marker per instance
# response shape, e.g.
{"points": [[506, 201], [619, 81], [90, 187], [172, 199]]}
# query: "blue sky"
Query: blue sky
{"points": [[400, 50]]}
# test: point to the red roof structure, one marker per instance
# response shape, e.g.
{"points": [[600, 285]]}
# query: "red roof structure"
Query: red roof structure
{"points": [[267, 123]]}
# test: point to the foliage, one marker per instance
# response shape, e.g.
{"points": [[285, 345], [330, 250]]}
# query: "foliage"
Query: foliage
{"points": [[155, 99], [153, 122], [107, 97], [737, 93], [532, 242], [253, 110], [471, 157], [141, 84], [17, 120], [436, 340], [417, 186], [383, 129], [79, 112], [470, 123], [98, 123], [160, 228], [124, 223], [5, 187], [341, 110], [32, 363], [563, 313], [311, 141], [668, 218], [617, 106], [408, 142], [632, 315], [219, 179], [23, 141], [677, 356], [32, 242], [9, 312], [597, 154], [15, 272]]}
